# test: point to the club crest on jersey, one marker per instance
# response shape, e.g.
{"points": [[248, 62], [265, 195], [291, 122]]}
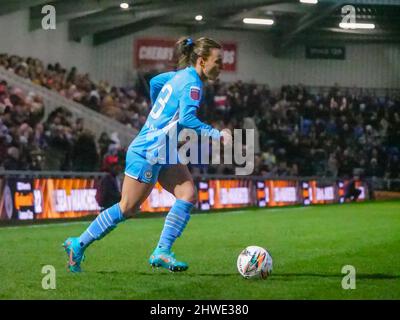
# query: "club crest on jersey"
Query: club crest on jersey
{"points": [[148, 174], [195, 93]]}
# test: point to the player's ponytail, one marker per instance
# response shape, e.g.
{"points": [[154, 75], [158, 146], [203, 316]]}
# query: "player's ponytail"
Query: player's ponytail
{"points": [[184, 49], [188, 50]]}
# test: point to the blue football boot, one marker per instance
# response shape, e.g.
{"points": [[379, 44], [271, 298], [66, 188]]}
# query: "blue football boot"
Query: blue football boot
{"points": [[75, 254], [166, 259]]}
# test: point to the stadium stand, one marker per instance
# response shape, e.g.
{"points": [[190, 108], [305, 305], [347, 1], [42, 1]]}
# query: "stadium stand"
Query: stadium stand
{"points": [[338, 133]]}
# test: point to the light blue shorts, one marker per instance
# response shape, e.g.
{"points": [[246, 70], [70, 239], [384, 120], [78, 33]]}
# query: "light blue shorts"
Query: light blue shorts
{"points": [[139, 168]]}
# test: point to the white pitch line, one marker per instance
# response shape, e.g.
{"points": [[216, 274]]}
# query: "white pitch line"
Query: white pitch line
{"points": [[86, 222], [268, 209], [285, 208], [45, 225]]}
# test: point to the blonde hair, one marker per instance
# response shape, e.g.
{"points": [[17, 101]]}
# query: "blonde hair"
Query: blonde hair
{"points": [[188, 51]]}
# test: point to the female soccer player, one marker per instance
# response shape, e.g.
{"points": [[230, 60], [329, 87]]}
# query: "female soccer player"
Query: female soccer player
{"points": [[175, 98]]}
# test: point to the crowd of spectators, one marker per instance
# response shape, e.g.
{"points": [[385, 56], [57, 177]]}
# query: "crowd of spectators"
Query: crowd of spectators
{"points": [[21, 130], [125, 105], [339, 132], [29, 141]]}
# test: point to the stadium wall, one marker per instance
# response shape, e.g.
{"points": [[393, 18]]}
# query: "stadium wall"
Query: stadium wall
{"points": [[50, 46], [366, 65], [114, 60]]}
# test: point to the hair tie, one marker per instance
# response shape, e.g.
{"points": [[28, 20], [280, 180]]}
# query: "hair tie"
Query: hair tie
{"points": [[189, 41]]}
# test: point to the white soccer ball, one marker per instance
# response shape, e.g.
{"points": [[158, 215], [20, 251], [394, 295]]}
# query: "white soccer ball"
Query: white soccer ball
{"points": [[254, 262]]}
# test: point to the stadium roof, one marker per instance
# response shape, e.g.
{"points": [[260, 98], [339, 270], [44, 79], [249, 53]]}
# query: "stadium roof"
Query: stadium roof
{"points": [[294, 21]]}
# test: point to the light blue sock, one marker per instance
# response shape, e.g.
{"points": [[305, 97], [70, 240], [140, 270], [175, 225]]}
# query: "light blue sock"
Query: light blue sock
{"points": [[175, 223], [102, 225]]}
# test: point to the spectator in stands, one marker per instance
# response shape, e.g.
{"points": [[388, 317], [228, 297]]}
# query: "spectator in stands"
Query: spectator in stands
{"points": [[109, 188], [79, 126], [374, 169], [351, 191], [59, 139], [84, 153], [13, 161], [332, 165], [104, 143]]}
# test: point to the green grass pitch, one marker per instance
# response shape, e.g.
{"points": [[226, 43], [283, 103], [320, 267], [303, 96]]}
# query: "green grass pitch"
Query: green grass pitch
{"points": [[309, 246]]}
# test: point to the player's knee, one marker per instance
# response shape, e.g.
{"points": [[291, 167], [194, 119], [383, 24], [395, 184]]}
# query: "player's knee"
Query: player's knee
{"points": [[190, 196]]}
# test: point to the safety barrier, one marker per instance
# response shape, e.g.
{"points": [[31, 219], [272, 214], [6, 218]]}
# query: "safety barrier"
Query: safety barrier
{"points": [[26, 195]]}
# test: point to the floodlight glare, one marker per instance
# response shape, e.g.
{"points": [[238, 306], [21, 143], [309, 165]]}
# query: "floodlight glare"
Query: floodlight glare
{"points": [[124, 5], [344, 25], [267, 22]]}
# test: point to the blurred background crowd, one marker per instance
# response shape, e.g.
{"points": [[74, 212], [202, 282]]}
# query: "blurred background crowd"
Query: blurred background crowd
{"points": [[336, 133]]}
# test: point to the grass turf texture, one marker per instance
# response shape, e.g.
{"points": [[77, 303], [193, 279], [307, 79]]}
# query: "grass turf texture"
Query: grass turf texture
{"points": [[309, 247]]}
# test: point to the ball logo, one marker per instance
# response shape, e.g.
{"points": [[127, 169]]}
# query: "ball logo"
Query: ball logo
{"points": [[254, 263], [148, 174]]}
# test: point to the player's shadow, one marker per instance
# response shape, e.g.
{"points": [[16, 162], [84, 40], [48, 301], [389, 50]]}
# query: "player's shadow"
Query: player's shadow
{"points": [[372, 276], [163, 272], [277, 276]]}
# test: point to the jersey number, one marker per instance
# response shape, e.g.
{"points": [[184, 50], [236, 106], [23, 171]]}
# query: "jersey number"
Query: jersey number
{"points": [[161, 102]]}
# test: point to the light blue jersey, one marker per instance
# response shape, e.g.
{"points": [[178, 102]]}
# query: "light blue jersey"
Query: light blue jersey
{"points": [[175, 97]]}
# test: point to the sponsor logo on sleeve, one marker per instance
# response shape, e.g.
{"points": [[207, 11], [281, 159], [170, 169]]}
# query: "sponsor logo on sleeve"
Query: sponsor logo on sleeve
{"points": [[195, 93]]}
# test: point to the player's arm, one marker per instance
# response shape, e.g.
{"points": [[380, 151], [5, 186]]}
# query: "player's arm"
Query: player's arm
{"points": [[188, 105], [157, 82]]}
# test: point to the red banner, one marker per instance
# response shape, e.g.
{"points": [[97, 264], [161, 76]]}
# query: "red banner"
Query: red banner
{"points": [[159, 54], [229, 57], [155, 53]]}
